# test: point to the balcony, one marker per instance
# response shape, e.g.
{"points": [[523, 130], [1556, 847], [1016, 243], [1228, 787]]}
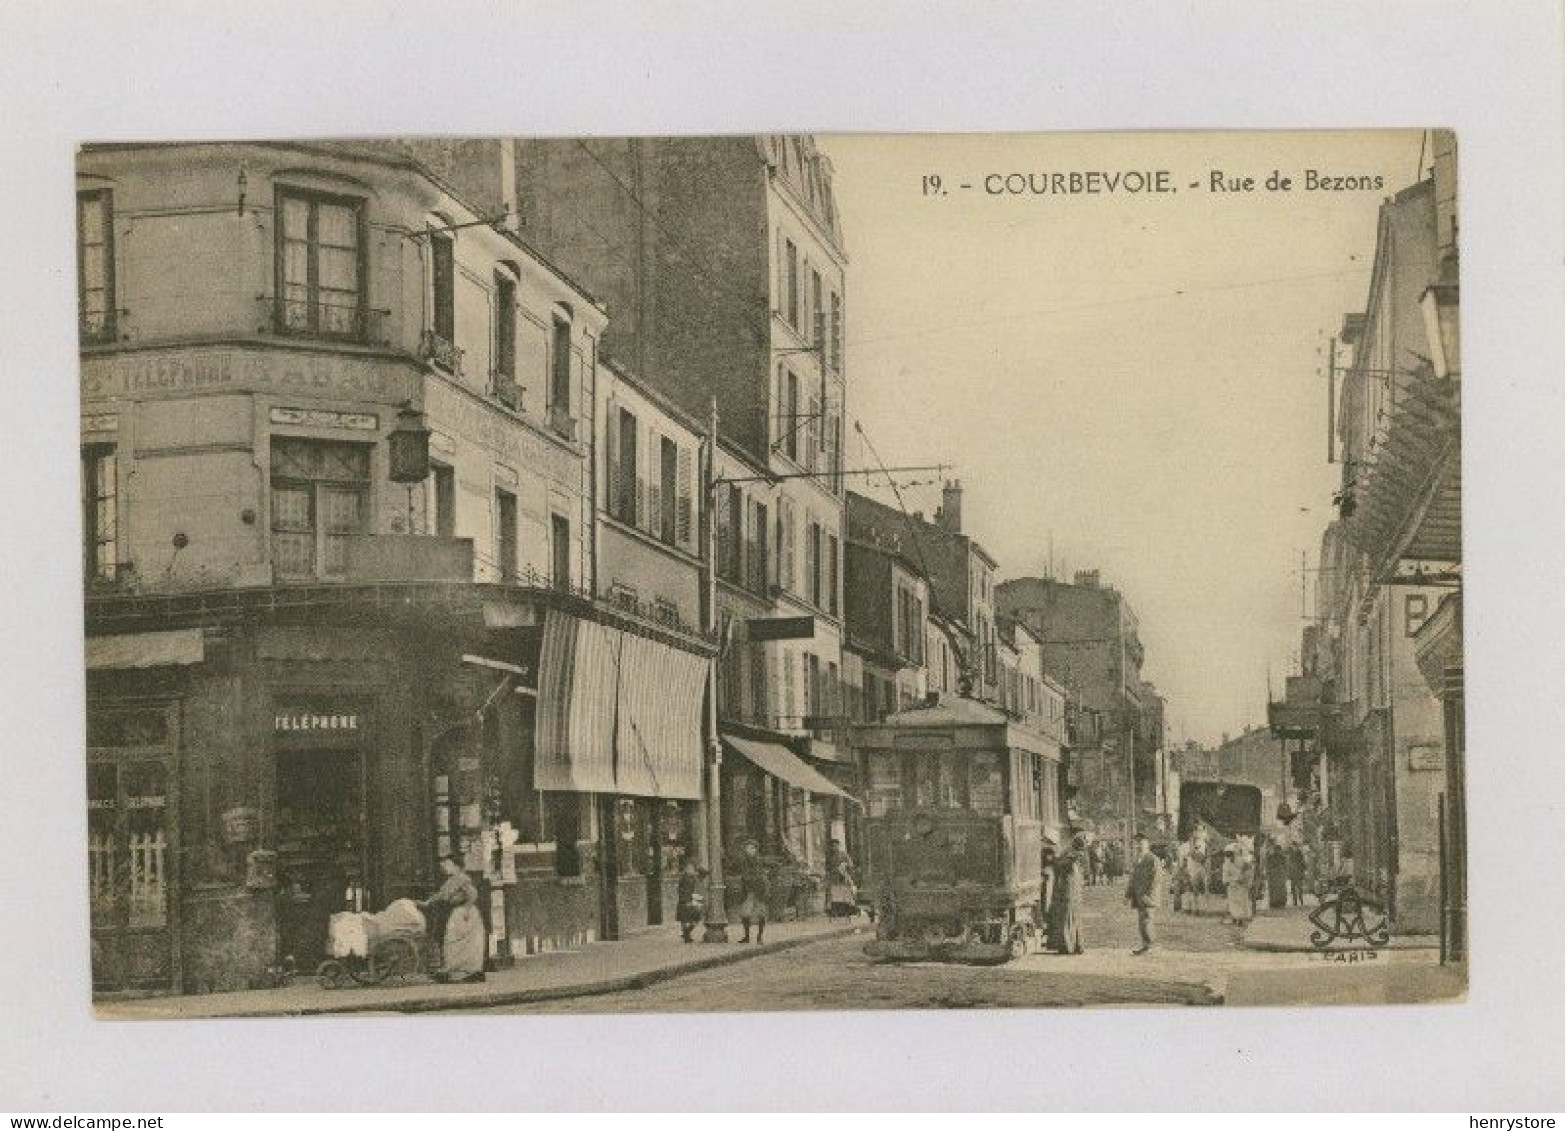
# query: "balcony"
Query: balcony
{"points": [[506, 390], [561, 422], [442, 352], [403, 557], [333, 322]]}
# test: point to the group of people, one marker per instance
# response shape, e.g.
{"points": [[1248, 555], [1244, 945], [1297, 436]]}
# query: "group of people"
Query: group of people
{"points": [[1274, 871], [750, 891], [1066, 876]]}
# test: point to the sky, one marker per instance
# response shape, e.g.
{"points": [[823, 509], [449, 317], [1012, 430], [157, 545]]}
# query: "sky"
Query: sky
{"points": [[1137, 379]]}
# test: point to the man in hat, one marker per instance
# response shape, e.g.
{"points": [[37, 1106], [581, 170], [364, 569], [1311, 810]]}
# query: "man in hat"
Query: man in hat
{"points": [[1145, 890], [754, 890]]}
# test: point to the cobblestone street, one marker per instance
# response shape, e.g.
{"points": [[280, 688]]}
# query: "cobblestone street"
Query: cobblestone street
{"points": [[1199, 961]]}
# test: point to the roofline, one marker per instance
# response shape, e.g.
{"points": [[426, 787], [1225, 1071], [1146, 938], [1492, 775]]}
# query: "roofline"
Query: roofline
{"points": [[329, 147]]}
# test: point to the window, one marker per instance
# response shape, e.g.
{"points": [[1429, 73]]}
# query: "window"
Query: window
{"points": [[442, 256], [758, 684], [813, 549], [790, 413], [95, 265], [1416, 612], [100, 519], [560, 546], [622, 468], [817, 313], [733, 567], [505, 329], [834, 350], [319, 265], [791, 282], [560, 367], [320, 499], [812, 685], [443, 491], [832, 581], [668, 519], [505, 534], [761, 568]]}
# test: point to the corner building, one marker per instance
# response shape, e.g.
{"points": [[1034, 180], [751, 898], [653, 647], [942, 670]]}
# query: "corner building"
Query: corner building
{"points": [[339, 551]]}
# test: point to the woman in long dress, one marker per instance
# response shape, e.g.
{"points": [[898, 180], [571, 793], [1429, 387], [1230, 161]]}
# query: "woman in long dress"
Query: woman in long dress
{"points": [[1276, 875], [1070, 882], [1237, 877], [464, 946]]}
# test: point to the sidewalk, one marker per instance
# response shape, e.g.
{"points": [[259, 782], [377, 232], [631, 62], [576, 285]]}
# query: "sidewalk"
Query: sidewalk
{"points": [[607, 967], [1289, 930]]}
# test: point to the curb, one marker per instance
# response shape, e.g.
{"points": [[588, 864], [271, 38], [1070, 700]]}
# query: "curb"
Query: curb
{"points": [[1306, 948], [523, 996]]}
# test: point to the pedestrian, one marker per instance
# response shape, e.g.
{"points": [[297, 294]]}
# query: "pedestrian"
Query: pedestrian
{"points": [[842, 893], [1145, 890], [691, 899], [1093, 862], [1296, 870], [754, 890], [1049, 853], [1181, 875], [1237, 875], [1070, 881], [1195, 866], [1276, 875], [464, 946]]}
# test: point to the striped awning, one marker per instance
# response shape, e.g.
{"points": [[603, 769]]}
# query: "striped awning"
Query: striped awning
{"points": [[784, 765], [617, 712]]}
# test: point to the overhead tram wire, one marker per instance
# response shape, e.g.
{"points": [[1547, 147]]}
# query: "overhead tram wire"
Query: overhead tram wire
{"points": [[918, 544]]}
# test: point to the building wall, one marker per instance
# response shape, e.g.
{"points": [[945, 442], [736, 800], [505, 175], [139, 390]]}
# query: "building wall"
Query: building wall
{"points": [[198, 377]]}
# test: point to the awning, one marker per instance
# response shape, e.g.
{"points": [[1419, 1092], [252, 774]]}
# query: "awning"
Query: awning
{"points": [[784, 765], [146, 649], [617, 712]]}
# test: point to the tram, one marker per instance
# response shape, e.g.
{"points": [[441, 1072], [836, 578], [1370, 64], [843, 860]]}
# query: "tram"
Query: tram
{"points": [[958, 799]]}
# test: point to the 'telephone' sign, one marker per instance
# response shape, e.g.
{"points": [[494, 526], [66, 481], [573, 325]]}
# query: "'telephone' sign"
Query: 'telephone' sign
{"points": [[309, 721]]}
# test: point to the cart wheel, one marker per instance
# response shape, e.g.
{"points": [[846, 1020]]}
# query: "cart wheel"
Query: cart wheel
{"points": [[331, 974], [397, 958]]}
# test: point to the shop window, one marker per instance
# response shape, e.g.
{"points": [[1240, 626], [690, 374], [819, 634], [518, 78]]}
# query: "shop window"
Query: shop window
{"points": [[319, 265], [95, 265], [320, 499], [100, 523]]}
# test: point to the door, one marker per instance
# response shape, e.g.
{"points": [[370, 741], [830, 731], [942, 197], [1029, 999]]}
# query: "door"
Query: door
{"points": [[130, 860], [320, 847], [654, 853], [608, 866]]}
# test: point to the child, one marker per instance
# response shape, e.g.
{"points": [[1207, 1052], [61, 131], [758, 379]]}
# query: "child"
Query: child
{"points": [[691, 899]]}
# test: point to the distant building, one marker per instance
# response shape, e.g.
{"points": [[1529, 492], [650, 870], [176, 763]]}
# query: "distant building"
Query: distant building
{"points": [[1090, 644], [960, 573]]}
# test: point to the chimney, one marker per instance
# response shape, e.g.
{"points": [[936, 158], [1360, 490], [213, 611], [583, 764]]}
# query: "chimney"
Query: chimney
{"points": [[949, 516], [1087, 578]]}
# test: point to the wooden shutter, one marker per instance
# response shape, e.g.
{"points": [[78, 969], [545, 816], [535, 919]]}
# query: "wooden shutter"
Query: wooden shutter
{"points": [[654, 516], [611, 456], [684, 532], [787, 711], [785, 542]]}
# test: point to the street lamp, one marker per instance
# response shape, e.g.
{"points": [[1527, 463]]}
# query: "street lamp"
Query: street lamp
{"points": [[409, 444]]}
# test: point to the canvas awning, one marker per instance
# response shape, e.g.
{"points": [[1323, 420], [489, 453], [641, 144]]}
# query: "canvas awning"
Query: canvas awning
{"points": [[617, 712], [146, 649], [785, 765]]}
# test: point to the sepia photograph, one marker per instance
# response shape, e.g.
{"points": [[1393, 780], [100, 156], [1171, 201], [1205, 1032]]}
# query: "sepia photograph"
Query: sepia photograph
{"points": [[772, 572]]}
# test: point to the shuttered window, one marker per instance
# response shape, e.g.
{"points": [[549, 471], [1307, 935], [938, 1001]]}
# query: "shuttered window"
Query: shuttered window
{"points": [[95, 265]]}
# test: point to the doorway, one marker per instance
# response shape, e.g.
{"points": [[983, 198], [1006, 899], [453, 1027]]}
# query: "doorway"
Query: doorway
{"points": [[131, 854], [320, 847]]}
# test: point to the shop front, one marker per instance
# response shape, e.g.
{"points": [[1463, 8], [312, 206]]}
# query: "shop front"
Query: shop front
{"points": [[616, 757]]}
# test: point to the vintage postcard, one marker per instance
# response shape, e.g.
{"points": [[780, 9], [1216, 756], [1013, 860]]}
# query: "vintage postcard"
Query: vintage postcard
{"points": [[772, 572]]}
